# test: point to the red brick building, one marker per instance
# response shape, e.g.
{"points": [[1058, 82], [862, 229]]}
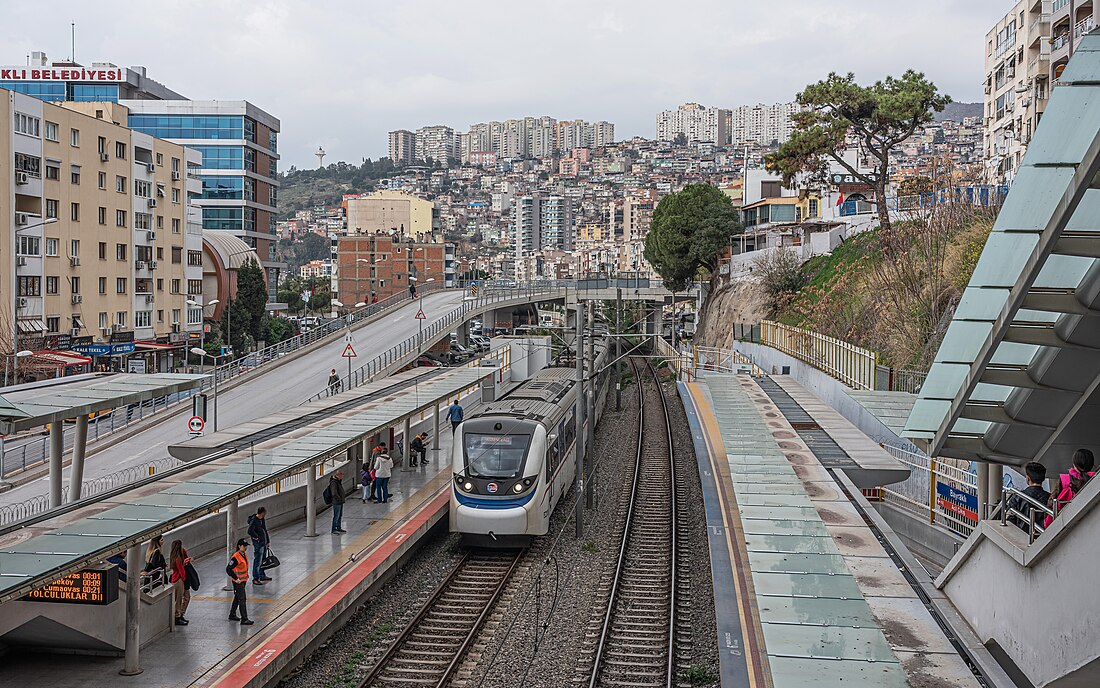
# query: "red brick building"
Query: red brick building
{"points": [[374, 266]]}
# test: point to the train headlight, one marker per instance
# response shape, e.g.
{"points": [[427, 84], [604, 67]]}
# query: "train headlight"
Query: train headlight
{"points": [[468, 486], [518, 487]]}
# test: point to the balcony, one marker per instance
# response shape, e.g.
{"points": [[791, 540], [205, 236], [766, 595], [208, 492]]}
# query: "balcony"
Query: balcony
{"points": [[1039, 67], [1039, 29], [1084, 26]]}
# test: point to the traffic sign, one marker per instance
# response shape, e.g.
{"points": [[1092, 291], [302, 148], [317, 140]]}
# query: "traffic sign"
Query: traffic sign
{"points": [[420, 315], [349, 352], [195, 424]]}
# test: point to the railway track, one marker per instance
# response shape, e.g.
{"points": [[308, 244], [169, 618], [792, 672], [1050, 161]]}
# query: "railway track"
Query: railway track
{"points": [[431, 647], [637, 643]]}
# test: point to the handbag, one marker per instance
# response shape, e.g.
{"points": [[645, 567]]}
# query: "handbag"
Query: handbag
{"points": [[270, 560], [191, 578]]}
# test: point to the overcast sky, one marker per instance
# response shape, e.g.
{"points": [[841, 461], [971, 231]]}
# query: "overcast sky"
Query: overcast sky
{"points": [[341, 74]]}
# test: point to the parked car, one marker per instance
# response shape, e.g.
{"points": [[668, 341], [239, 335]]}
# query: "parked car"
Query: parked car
{"points": [[480, 341], [439, 358], [460, 352], [427, 362]]}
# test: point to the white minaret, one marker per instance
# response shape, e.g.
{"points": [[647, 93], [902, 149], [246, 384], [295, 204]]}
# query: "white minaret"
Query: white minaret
{"points": [[320, 157]]}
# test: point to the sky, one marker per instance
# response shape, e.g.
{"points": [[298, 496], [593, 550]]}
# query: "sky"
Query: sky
{"points": [[340, 74]]}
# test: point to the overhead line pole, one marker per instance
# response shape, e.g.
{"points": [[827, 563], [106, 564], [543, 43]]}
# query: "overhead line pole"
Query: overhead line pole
{"points": [[578, 478]]}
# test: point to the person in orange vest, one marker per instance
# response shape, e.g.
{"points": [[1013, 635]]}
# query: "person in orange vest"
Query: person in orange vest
{"points": [[237, 570]]}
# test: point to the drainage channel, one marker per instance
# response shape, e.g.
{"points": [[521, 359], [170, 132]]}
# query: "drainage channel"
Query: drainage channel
{"points": [[833, 457]]}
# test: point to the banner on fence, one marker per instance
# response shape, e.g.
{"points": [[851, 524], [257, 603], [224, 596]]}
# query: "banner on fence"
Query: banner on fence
{"points": [[956, 501]]}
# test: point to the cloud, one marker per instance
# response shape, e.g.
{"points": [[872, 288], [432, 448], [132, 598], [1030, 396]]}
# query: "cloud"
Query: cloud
{"points": [[341, 74]]}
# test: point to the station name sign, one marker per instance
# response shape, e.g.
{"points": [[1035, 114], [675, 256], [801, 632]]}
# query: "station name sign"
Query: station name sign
{"points": [[109, 75], [90, 586], [839, 179]]}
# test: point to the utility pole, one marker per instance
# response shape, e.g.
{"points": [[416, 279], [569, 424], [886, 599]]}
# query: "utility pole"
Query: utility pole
{"points": [[578, 479], [618, 349], [590, 407]]}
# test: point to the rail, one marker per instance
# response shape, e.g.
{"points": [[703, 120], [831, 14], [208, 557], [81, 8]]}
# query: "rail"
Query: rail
{"points": [[936, 490], [852, 365]]}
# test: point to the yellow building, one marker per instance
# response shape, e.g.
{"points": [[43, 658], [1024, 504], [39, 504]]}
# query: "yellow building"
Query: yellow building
{"points": [[97, 253], [394, 212]]}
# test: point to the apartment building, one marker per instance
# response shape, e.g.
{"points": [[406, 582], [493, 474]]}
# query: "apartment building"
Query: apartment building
{"points": [[696, 122], [762, 124], [1017, 85], [393, 212], [533, 137], [638, 215], [542, 222], [581, 134], [402, 147], [1070, 20], [103, 245], [371, 267], [437, 143]]}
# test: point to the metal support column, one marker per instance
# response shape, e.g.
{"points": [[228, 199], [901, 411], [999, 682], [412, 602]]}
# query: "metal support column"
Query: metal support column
{"points": [[406, 440], [618, 350], [232, 518], [131, 665], [80, 444], [983, 488], [436, 441], [578, 479], [311, 501], [996, 483], [57, 448], [590, 407]]}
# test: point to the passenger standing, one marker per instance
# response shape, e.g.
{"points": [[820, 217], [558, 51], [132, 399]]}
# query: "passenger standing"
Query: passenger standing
{"points": [[455, 414], [333, 382], [155, 565], [237, 570], [179, 560], [1069, 484], [257, 530], [374, 453], [1036, 474], [383, 465], [336, 489]]}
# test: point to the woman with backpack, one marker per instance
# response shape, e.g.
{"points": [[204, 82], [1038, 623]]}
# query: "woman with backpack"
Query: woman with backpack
{"points": [[178, 560], [155, 566], [1070, 484]]}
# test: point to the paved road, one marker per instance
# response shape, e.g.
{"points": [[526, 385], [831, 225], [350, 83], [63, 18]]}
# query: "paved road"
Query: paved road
{"points": [[283, 387]]}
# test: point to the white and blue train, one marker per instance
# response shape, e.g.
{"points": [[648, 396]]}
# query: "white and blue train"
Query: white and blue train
{"points": [[514, 459]]}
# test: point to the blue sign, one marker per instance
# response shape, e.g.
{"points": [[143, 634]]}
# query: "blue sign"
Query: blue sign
{"points": [[961, 502], [105, 349]]}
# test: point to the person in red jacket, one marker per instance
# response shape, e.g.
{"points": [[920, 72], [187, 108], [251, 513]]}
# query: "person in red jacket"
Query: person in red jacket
{"points": [[237, 570], [178, 561]]}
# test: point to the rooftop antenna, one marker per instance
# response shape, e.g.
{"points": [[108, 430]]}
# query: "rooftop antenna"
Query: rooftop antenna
{"points": [[320, 157], [72, 49]]}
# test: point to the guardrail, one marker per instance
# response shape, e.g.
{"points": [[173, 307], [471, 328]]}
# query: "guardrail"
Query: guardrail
{"points": [[936, 490], [690, 364], [852, 365]]}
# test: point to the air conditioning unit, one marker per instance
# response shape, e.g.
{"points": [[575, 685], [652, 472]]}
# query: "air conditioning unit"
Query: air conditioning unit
{"points": [[175, 176], [22, 302], [21, 218], [74, 262], [139, 264], [151, 235], [21, 261], [152, 203], [176, 327], [77, 298], [75, 332], [21, 178], [148, 298], [151, 167], [152, 265], [103, 157], [106, 331]]}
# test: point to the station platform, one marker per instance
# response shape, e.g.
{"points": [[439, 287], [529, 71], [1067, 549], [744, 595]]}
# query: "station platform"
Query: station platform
{"points": [[319, 580], [806, 594]]}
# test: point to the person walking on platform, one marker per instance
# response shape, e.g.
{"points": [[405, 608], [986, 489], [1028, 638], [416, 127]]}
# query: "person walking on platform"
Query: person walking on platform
{"points": [[455, 414], [237, 570], [336, 489], [383, 466], [257, 530], [179, 560], [333, 382]]}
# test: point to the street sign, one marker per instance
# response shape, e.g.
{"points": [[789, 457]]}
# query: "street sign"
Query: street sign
{"points": [[349, 352], [420, 315], [195, 424]]}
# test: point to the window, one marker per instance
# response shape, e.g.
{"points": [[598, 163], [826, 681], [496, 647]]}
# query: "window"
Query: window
{"points": [[143, 221], [53, 171], [102, 215], [94, 93], [101, 180], [26, 124], [74, 212], [51, 207], [28, 163], [160, 253], [175, 164], [160, 222], [51, 285], [194, 287], [194, 258], [103, 250], [120, 285], [120, 251], [143, 318], [175, 316], [160, 159], [120, 218], [194, 316], [101, 144], [51, 247], [175, 225], [120, 184], [160, 284], [177, 254], [143, 188], [175, 195], [51, 131], [74, 138], [190, 126], [160, 315], [174, 286], [28, 246], [102, 288], [221, 157], [30, 286], [74, 247], [143, 252], [120, 150], [53, 323], [222, 188], [74, 175], [120, 319]]}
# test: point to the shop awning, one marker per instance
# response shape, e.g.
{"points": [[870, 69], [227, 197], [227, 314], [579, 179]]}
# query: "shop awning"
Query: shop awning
{"points": [[31, 326], [154, 346], [60, 358]]}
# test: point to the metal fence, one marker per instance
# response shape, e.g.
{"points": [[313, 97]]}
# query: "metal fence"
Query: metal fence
{"points": [[692, 363], [852, 365], [940, 491]]}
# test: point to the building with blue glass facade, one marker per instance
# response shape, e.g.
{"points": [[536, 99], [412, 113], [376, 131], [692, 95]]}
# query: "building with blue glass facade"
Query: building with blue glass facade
{"points": [[69, 81]]}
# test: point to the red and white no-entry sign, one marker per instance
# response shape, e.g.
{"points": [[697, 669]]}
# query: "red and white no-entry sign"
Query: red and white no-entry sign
{"points": [[195, 424]]}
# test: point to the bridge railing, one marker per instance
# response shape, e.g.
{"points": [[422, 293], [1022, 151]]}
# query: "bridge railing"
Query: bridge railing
{"points": [[851, 364], [940, 491]]}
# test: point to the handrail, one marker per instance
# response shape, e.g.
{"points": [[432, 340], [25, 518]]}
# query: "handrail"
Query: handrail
{"points": [[851, 364], [1034, 529]]}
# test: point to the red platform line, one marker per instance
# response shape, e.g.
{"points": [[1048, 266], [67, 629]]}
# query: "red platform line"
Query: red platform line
{"points": [[283, 636]]}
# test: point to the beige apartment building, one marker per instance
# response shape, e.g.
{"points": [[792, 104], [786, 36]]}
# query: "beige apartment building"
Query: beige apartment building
{"points": [[100, 248], [393, 212]]}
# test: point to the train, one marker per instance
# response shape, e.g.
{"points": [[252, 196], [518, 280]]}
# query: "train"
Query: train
{"points": [[512, 460]]}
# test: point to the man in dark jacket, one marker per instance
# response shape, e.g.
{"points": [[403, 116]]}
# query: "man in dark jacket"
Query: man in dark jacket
{"points": [[333, 382], [336, 489], [257, 530], [1036, 474], [418, 449]]}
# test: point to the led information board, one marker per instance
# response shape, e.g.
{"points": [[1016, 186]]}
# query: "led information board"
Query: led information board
{"points": [[90, 586]]}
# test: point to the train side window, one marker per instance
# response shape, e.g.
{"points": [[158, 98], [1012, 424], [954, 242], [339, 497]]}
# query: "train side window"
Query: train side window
{"points": [[553, 462]]}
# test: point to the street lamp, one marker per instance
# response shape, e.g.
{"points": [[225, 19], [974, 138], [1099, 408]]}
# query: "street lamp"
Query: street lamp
{"points": [[202, 354], [15, 302], [202, 323]]}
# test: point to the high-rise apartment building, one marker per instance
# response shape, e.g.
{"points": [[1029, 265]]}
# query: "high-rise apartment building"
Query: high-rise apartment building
{"points": [[582, 134], [402, 147], [437, 143], [557, 223], [761, 123], [541, 221], [534, 137], [1017, 82], [696, 122], [100, 248]]}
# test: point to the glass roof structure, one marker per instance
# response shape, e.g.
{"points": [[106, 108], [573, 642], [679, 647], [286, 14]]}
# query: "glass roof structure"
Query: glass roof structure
{"points": [[35, 554], [1016, 375]]}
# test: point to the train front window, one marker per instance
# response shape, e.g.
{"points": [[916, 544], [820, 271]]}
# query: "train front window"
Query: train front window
{"points": [[495, 456]]}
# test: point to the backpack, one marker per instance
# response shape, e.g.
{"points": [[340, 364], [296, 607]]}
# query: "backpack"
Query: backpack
{"points": [[327, 494]]}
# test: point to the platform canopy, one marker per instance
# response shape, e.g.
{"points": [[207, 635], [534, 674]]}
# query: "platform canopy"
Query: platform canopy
{"points": [[1016, 376], [32, 405]]}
